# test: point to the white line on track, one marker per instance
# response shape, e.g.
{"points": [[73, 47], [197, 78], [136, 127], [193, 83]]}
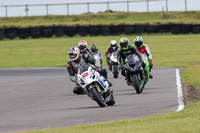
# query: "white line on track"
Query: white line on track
{"points": [[180, 91]]}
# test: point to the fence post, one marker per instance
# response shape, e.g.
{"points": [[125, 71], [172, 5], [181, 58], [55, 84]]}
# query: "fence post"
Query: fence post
{"points": [[108, 7], [68, 9], [6, 11], [47, 9], [26, 10], [88, 7], [166, 5], [186, 5], [127, 6], [147, 5]]}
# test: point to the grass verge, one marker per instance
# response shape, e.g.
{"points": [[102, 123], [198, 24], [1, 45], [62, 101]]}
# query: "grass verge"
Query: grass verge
{"points": [[104, 19]]}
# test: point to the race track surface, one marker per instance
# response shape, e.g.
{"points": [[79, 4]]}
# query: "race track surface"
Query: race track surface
{"points": [[36, 98]]}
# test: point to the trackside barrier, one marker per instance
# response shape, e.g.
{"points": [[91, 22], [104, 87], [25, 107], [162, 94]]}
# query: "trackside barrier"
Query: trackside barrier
{"points": [[95, 30]]}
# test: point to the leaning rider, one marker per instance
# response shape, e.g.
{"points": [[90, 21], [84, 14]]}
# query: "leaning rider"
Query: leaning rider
{"points": [[144, 49], [77, 59]]}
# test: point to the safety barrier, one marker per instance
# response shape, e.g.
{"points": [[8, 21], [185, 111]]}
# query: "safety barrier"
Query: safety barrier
{"points": [[95, 30]]}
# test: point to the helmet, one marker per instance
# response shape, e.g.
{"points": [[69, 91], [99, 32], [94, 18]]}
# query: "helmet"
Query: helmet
{"points": [[82, 45], [124, 42], [74, 53], [138, 42], [93, 47], [113, 43]]}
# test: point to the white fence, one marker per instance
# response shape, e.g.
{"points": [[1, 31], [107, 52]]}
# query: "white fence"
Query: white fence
{"points": [[91, 7]]}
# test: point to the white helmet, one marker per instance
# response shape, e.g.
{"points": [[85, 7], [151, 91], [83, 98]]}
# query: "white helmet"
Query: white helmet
{"points": [[82, 45], [74, 53], [113, 43]]}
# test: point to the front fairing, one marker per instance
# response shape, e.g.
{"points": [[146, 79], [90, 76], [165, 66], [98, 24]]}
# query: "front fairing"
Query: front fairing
{"points": [[132, 63], [87, 75], [113, 57]]}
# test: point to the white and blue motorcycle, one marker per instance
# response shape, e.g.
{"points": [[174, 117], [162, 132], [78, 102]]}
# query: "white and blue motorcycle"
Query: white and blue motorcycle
{"points": [[95, 86]]}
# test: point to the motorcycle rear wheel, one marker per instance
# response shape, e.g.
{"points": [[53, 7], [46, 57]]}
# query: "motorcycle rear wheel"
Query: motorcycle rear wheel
{"points": [[97, 97]]}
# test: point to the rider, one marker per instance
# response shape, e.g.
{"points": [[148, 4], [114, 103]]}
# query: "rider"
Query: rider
{"points": [[143, 48], [112, 48], [82, 45], [125, 50], [77, 59], [95, 50]]}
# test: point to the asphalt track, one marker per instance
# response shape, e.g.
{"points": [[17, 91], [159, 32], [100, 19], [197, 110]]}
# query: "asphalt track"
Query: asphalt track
{"points": [[37, 98]]}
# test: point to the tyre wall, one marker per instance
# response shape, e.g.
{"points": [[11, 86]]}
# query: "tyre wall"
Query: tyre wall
{"points": [[95, 30]]}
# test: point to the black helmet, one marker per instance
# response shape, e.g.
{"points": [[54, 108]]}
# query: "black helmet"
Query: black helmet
{"points": [[93, 47]]}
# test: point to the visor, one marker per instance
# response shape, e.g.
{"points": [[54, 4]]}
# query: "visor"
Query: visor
{"points": [[138, 44], [82, 47], [72, 56], [123, 44]]}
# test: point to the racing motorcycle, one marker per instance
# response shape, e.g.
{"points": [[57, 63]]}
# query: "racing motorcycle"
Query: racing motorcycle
{"points": [[136, 76], [97, 57], [95, 86], [114, 64]]}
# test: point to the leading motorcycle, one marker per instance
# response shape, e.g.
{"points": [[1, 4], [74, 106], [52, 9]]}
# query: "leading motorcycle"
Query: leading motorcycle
{"points": [[95, 86]]}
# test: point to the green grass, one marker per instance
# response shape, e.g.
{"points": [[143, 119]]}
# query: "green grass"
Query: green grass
{"points": [[103, 19], [168, 51]]}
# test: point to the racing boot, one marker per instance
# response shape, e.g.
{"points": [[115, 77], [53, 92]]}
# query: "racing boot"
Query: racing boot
{"points": [[150, 76], [78, 90]]}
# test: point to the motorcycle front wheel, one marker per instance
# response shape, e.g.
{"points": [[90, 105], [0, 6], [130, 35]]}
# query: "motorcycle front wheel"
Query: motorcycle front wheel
{"points": [[136, 84], [115, 71], [98, 97]]}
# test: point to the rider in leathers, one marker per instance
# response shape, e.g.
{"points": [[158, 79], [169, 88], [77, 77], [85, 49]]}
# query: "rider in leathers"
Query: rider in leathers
{"points": [[125, 50], [144, 48], [77, 59], [113, 47]]}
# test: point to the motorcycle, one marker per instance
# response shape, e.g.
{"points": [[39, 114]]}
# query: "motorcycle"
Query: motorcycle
{"points": [[135, 73], [114, 64], [97, 57], [95, 86]]}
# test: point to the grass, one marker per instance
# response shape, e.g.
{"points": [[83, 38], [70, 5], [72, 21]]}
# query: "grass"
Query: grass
{"points": [[168, 51], [103, 19]]}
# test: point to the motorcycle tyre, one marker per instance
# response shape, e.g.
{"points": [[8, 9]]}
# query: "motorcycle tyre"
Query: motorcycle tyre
{"points": [[115, 71], [112, 101], [97, 97], [137, 85]]}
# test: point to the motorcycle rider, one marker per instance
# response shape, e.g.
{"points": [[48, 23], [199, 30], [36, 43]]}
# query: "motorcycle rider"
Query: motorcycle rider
{"points": [[82, 45], [143, 48], [95, 50], [125, 50], [77, 59], [112, 48]]}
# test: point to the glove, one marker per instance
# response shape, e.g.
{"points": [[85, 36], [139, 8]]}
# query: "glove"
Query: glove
{"points": [[73, 79]]}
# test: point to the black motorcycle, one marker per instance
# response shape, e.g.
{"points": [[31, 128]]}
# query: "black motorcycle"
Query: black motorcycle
{"points": [[134, 72]]}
